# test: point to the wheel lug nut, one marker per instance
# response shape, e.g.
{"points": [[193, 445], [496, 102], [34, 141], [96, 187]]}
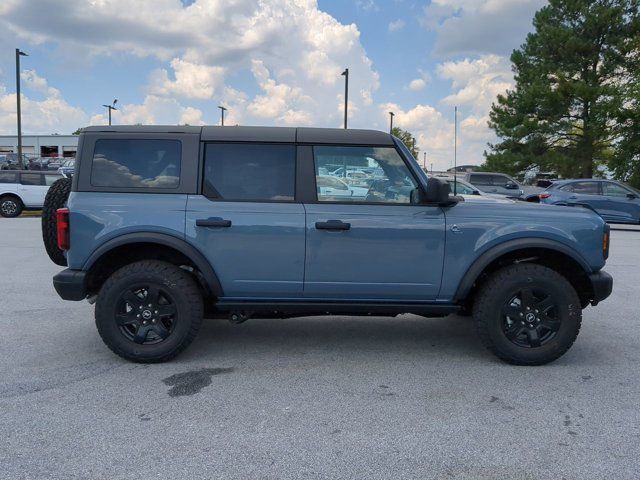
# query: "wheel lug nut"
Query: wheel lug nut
{"points": [[156, 312], [138, 316], [149, 305]]}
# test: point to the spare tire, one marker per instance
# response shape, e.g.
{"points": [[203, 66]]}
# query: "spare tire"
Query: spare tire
{"points": [[56, 198]]}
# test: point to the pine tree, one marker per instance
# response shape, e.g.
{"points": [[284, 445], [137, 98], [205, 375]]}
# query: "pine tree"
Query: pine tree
{"points": [[575, 97]]}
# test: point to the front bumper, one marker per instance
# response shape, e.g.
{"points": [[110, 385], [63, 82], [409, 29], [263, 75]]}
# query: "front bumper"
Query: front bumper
{"points": [[71, 284], [602, 285]]}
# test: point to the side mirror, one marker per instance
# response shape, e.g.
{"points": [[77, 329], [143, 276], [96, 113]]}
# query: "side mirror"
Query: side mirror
{"points": [[439, 193], [511, 186], [632, 196]]}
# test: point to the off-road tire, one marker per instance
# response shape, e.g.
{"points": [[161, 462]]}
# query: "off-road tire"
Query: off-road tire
{"points": [[185, 294], [56, 198], [498, 289], [16, 206]]}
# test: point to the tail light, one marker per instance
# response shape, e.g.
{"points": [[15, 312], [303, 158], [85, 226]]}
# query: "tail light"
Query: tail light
{"points": [[544, 195], [62, 222], [606, 241]]}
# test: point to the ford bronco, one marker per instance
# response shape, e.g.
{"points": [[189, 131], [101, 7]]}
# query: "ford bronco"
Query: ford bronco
{"points": [[165, 226]]}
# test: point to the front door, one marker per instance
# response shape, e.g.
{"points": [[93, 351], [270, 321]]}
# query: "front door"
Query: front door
{"points": [[32, 189], [621, 204], [247, 223], [373, 244]]}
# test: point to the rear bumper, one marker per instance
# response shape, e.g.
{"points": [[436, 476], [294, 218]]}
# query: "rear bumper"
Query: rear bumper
{"points": [[602, 285], [71, 284]]}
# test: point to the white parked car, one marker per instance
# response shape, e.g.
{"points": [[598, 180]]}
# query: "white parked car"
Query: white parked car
{"points": [[472, 194], [330, 186], [23, 190]]}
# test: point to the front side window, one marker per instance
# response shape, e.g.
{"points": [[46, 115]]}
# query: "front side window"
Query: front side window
{"points": [[136, 163], [364, 174], [461, 188], [614, 190], [250, 172], [50, 179]]}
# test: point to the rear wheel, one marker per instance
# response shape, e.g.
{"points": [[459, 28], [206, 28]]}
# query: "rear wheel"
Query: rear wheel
{"points": [[527, 314], [149, 311], [10, 206], [56, 198]]}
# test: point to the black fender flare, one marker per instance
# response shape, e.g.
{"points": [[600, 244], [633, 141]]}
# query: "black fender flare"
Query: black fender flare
{"points": [[198, 259], [478, 266]]}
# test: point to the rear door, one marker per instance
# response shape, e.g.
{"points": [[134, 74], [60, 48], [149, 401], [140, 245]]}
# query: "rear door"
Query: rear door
{"points": [[246, 220], [32, 189], [378, 246]]}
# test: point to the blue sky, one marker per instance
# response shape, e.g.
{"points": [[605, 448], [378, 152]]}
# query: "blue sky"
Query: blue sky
{"points": [[271, 62]]}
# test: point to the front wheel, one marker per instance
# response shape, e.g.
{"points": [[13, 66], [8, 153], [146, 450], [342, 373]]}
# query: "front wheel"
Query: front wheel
{"points": [[527, 314], [149, 311]]}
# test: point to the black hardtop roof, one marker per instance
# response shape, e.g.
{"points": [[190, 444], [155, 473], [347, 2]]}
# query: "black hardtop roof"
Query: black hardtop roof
{"points": [[260, 134]]}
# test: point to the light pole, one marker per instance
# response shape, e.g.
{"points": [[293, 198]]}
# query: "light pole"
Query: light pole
{"points": [[222, 110], [391, 115], [19, 54], [346, 94], [455, 151], [424, 161], [111, 107]]}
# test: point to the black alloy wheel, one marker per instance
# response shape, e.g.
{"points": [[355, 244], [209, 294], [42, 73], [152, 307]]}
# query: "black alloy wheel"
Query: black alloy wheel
{"points": [[146, 314], [530, 318]]}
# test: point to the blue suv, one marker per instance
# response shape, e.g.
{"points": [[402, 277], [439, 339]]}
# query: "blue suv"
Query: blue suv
{"points": [[165, 226], [615, 202]]}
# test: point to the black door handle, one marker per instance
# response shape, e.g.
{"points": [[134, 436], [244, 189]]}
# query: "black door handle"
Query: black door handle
{"points": [[213, 222], [333, 225]]}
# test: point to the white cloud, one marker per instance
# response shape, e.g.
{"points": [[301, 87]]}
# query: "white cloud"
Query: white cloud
{"points": [[417, 84], [191, 80], [153, 110], [208, 43], [396, 25], [52, 114], [477, 83], [479, 26]]}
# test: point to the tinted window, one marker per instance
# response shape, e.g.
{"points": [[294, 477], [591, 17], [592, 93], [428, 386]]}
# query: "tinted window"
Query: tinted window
{"points": [[250, 172], [614, 190], [500, 180], [583, 188], [49, 179], [460, 188], [7, 177], [370, 174], [31, 179], [136, 163], [480, 179]]}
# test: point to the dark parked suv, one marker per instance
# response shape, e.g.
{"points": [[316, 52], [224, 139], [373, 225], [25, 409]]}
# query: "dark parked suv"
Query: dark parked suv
{"points": [[167, 225]]}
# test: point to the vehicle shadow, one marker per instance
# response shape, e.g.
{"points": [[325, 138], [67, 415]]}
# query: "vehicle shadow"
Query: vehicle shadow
{"points": [[406, 335]]}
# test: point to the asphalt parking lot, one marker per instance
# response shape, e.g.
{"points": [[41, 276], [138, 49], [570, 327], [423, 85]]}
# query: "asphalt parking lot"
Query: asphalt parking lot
{"points": [[335, 397]]}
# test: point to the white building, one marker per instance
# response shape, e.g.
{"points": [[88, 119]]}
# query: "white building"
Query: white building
{"points": [[41, 145]]}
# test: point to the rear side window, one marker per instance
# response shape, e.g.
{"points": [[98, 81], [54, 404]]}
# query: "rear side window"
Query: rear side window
{"points": [[480, 179], [136, 163], [31, 179], [250, 172], [584, 188], [6, 177]]}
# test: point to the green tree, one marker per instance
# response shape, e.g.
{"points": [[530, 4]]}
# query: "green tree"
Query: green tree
{"points": [[408, 139], [573, 104], [78, 131]]}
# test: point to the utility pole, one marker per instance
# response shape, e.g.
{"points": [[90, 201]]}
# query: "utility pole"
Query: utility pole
{"points": [[455, 151], [19, 54], [424, 161], [346, 94], [391, 115], [111, 107], [222, 110]]}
